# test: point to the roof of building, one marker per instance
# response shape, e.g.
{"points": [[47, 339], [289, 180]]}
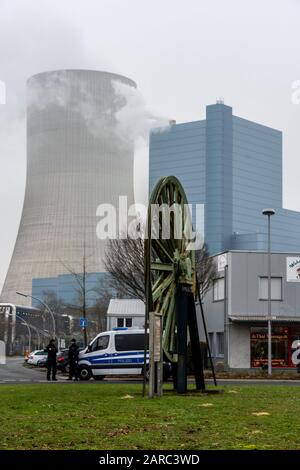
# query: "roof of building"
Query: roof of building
{"points": [[261, 318], [132, 307], [256, 252]]}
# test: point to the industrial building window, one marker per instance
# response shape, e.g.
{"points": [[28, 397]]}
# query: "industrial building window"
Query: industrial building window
{"points": [[220, 344], [218, 289], [211, 343], [276, 288], [121, 322]]}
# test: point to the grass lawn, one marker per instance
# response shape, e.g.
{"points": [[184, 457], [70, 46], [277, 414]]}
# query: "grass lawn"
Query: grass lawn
{"points": [[100, 416]]}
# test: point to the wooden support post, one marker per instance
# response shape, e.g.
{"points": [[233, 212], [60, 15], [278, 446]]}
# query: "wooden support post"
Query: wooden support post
{"points": [[195, 344], [155, 355], [182, 306]]}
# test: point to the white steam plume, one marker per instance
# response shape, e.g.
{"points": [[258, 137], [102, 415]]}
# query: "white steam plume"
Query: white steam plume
{"points": [[134, 119]]}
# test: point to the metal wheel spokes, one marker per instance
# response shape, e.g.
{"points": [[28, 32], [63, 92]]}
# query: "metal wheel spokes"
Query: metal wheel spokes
{"points": [[169, 259]]}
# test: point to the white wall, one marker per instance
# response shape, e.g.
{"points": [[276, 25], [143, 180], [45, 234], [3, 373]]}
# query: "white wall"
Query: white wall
{"points": [[239, 346]]}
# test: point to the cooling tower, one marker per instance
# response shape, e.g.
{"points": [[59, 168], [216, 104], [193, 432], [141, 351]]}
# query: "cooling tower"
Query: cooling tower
{"points": [[76, 160]]}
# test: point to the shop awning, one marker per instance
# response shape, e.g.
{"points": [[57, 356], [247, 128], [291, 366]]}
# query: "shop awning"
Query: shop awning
{"points": [[263, 318]]}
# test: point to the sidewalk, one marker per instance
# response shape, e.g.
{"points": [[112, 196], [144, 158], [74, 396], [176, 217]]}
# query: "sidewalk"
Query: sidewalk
{"points": [[255, 380], [259, 375]]}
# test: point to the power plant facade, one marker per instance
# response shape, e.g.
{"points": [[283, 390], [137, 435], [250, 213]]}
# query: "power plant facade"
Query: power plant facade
{"points": [[76, 160], [232, 167]]}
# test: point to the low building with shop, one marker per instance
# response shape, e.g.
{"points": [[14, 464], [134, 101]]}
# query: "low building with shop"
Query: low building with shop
{"points": [[122, 313], [236, 310]]}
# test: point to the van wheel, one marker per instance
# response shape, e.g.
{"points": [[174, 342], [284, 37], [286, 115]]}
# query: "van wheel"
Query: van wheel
{"points": [[85, 373], [98, 377]]}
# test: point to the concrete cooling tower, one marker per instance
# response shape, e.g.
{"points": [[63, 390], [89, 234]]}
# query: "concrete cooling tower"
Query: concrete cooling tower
{"points": [[76, 160]]}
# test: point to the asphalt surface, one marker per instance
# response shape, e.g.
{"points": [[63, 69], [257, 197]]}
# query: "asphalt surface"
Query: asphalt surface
{"points": [[15, 372]]}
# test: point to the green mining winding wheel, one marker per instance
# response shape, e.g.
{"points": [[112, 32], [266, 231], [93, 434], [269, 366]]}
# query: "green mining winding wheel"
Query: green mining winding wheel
{"points": [[170, 276]]}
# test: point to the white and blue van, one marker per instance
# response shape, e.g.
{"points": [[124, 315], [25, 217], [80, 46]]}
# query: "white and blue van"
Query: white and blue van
{"points": [[116, 352]]}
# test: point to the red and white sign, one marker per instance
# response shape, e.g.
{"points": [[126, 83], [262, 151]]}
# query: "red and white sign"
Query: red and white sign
{"points": [[293, 269]]}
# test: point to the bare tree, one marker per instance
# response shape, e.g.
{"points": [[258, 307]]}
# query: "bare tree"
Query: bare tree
{"points": [[55, 303], [82, 291], [206, 269], [100, 310], [124, 260], [96, 313]]}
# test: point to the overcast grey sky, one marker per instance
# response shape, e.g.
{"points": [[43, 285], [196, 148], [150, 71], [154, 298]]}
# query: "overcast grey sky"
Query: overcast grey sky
{"points": [[183, 54]]}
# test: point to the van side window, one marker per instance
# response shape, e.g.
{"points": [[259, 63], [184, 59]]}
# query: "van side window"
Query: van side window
{"points": [[100, 343], [130, 342]]}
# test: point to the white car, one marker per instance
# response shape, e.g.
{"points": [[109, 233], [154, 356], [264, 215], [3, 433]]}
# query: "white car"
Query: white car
{"points": [[35, 356]]}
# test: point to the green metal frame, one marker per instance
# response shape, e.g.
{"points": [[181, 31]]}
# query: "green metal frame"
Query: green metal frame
{"points": [[168, 262]]}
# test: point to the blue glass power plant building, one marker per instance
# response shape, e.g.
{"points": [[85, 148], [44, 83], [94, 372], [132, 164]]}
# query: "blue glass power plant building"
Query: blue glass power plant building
{"points": [[233, 167], [67, 288]]}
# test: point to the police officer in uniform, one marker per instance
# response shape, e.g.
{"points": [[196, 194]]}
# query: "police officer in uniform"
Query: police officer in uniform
{"points": [[51, 349], [73, 358]]}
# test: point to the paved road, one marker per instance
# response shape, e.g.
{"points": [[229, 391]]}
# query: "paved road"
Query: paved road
{"points": [[14, 372]]}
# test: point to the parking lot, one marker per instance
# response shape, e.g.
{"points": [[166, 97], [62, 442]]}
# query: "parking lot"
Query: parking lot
{"points": [[16, 371]]}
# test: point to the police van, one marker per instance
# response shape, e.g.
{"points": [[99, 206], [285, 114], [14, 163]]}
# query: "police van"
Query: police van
{"points": [[116, 352]]}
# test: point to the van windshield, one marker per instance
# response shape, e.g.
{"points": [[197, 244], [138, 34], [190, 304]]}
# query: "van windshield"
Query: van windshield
{"points": [[134, 342], [100, 343]]}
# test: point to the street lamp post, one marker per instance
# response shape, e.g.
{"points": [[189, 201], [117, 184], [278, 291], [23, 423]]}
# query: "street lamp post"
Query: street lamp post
{"points": [[38, 335], [269, 212], [24, 322], [29, 332], [45, 305]]}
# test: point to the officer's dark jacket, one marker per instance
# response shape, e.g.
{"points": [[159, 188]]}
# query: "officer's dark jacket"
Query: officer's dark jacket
{"points": [[73, 352], [52, 351]]}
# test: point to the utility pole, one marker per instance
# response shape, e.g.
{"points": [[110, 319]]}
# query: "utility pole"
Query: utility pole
{"points": [[269, 213], [84, 297]]}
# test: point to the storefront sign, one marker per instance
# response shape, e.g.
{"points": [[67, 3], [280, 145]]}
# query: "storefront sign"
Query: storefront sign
{"points": [[264, 362], [275, 336], [293, 269], [296, 352]]}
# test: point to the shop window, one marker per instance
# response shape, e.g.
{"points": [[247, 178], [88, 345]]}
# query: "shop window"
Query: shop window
{"points": [[259, 347], [120, 322], [218, 289], [128, 322], [276, 288], [220, 344]]}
